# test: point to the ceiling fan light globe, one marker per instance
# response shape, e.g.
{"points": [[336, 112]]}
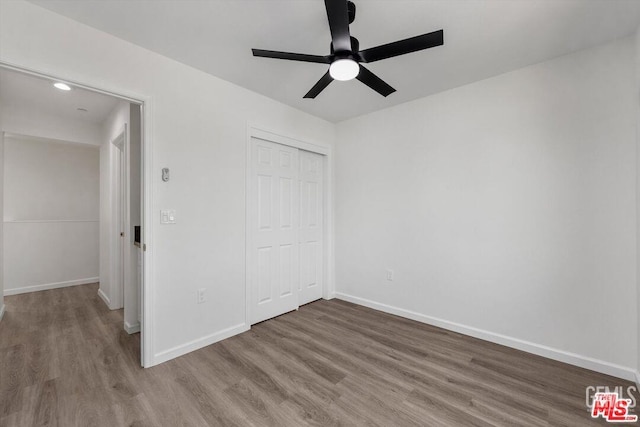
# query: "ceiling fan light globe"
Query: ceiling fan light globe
{"points": [[344, 69], [61, 86]]}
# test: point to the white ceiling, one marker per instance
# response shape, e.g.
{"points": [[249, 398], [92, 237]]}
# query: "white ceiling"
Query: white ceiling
{"points": [[483, 38], [24, 91]]}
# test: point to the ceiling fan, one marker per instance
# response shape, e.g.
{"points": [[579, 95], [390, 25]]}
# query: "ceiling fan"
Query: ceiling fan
{"points": [[345, 60]]}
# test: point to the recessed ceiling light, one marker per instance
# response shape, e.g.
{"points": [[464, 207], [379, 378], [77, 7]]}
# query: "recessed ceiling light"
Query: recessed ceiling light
{"points": [[344, 69], [62, 86]]}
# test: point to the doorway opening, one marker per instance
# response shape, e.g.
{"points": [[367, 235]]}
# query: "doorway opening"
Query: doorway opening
{"points": [[76, 188]]}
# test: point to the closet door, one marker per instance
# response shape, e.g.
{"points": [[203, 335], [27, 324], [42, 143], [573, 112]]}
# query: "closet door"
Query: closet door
{"points": [[273, 262], [311, 226]]}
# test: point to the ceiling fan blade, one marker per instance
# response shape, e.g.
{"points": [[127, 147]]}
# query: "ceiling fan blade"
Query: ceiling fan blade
{"points": [[291, 56], [413, 44], [338, 14], [319, 87], [374, 82]]}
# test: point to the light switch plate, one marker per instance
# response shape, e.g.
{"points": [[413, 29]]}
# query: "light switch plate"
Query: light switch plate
{"points": [[168, 216]]}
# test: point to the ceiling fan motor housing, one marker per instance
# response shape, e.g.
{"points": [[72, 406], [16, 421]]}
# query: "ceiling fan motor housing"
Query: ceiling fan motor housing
{"points": [[355, 47], [351, 7]]}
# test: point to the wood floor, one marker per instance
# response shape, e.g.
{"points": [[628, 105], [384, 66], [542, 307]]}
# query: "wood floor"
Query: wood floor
{"points": [[65, 361]]}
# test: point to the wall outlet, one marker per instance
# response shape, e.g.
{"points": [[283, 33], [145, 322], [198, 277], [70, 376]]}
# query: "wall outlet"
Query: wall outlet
{"points": [[201, 296], [390, 275]]}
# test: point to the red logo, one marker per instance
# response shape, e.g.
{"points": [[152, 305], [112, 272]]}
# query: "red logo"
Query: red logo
{"points": [[613, 409]]}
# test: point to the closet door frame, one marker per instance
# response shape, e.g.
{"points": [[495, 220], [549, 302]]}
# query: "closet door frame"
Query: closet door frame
{"points": [[325, 150]]}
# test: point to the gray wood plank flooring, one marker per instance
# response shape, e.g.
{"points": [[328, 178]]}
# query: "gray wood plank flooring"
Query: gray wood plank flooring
{"points": [[65, 361]]}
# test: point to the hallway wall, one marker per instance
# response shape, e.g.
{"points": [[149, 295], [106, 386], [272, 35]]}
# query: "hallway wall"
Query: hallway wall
{"points": [[50, 214]]}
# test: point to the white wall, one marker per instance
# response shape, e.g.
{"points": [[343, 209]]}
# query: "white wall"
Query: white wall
{"points": [[199, 127], [50, 214], [47, 179], [506, 208], [34, 122]]}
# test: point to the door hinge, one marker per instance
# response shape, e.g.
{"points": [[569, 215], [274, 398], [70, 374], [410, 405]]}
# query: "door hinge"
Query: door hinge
{"points": [[144, 247]]}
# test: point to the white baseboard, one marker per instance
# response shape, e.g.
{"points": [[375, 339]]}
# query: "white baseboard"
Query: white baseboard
{"points": [[180, 350], [132, 329], [541, 350], [104, 298], [329, 296], [48, 286], [1, 311]]}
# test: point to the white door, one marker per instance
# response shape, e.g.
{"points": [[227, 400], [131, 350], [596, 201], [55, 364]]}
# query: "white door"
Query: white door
{"points": [[122, 221], [311, 226], [273, 271], [118, 224]]}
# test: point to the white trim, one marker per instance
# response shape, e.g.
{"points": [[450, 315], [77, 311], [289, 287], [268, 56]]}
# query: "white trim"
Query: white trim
{"points": [[47, 221], [329, 258], [104, 298], [121, 139], [255, 132], [637, 379], [146, 105], [248, 234], [32, 138], [322, 148], [132, 329], [2, 306], [541, 350], [147, 349], [330, 296], [183, 349], [48, 286]]}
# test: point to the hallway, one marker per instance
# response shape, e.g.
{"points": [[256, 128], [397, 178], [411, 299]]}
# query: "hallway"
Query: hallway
{"points": [[64, 356]]}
